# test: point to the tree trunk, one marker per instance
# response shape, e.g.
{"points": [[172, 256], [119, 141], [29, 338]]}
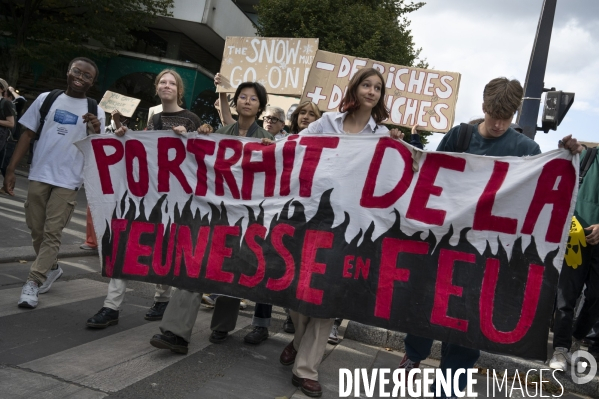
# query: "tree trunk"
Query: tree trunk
{"points": [[14, 70]]}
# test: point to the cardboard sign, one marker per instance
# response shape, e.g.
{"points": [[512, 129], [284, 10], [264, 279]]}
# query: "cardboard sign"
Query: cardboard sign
{"points": [[279, 64], [414, 96], [125, 105], [465, 249]]}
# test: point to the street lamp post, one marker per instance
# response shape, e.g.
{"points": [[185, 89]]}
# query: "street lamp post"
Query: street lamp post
{"points": [[535, 76]]}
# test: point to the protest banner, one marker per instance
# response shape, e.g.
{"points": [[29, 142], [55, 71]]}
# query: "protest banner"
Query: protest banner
{"points": [[461, 248], [125, 105], [280, 64], [413, 95]]}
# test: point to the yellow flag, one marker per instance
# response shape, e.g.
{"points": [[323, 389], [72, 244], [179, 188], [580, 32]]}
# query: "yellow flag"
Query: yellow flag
{"points": [[576, 240]]}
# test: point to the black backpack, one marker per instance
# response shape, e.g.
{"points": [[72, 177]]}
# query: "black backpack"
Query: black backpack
{"points": [[586, 163], [157, 121], [464, 137], [13, 113], [92, 108]]}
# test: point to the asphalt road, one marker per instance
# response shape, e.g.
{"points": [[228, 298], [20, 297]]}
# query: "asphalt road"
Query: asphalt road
{"points": [[48, 352]]}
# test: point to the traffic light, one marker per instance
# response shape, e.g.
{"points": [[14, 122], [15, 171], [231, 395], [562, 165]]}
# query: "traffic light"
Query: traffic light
{"points": [[557, 104]]}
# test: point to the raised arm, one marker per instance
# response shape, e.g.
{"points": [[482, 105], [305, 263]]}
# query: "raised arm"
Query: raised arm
{"points": [[225, 110]]}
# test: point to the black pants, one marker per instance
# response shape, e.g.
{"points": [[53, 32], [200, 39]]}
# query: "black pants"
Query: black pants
{"points": [[262, 314], [6, 154], [571, 283], [593, 336]]}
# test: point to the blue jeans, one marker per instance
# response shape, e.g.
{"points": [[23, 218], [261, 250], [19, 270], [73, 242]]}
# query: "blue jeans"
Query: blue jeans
{"points": [[453, 357], [262, 315]]}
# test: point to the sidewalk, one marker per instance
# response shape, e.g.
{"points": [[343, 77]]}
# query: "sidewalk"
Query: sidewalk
{"points": [[380, 337]]}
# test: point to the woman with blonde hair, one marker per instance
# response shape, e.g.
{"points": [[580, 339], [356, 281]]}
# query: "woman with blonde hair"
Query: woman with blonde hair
{"points": [[170, 90], [305, 113]]}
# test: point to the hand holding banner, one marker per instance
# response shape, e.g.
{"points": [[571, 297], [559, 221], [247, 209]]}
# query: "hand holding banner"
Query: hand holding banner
{"points": [[413, 95]]}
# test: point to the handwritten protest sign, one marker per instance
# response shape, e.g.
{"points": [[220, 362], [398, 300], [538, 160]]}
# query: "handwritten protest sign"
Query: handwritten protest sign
{"points": [[413, 95], [280, 64], [125, 105], [342, 226]]}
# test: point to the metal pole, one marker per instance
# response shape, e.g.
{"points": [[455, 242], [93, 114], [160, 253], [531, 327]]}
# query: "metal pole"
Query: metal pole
{"points": [[533, 86]]}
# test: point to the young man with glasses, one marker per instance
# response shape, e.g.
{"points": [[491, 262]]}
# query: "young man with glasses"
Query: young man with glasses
{"points": [[56, 172]]}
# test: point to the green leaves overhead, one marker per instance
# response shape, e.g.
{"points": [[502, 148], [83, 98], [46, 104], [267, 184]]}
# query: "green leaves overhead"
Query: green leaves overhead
{"points": [[375, 29]]}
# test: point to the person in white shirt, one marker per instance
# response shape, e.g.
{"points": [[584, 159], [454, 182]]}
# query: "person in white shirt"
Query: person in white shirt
{"points": [[362, 110], [56, 172]]}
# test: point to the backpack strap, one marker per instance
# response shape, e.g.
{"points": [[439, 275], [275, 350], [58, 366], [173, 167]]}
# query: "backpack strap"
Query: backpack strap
{"points": [[157, 121], [464, 137], [45, 108], [586, 163], [92, 106], [2, 116]]}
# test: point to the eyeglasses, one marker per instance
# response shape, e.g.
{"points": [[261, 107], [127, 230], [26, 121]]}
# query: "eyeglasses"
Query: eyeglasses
{"points": [[80, 74], [272, 119], [252, 99]]}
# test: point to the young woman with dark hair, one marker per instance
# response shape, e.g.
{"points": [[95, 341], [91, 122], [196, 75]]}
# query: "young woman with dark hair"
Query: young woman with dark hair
{"points": [[361, 111]]}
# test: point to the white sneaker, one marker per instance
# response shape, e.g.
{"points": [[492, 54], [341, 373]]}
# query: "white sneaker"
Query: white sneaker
{"points": [[561, 359], [52, 276], [29, 295], [243, 304]]}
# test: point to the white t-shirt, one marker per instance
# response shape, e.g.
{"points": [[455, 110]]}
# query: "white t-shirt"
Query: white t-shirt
{"points": [[56, 160], [332, 122]]}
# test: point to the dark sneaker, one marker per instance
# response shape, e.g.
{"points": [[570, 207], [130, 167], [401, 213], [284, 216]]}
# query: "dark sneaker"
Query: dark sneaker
{"points": [[288, 326], [257, 335], [334, 335], [156, 311], [218, 337], [287, 357], [104, 318], [168, 340], [408, 364], [309, 387]]}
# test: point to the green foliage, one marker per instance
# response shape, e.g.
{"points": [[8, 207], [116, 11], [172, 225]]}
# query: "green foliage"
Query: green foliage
{"points": [[48, 31], [375, 29]]}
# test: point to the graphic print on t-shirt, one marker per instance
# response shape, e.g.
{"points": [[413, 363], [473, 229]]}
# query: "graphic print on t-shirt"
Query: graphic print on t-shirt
{"points": [[64, 118]]}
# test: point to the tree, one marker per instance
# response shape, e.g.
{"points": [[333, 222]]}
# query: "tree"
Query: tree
{"points": [[49, 32], [375, 29]]}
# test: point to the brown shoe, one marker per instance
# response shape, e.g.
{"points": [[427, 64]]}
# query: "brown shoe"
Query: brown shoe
{"points": [[288, 356], [309, 387]]}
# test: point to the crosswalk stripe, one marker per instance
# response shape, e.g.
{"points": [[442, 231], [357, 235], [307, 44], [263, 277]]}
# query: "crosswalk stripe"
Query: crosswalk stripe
{"points": [[21, 384], [62, 293], [121, 359], [66, 230]]}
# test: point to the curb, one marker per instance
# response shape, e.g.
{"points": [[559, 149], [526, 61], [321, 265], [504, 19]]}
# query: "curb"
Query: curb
{"points": [[10, 255], [381, 337]]}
